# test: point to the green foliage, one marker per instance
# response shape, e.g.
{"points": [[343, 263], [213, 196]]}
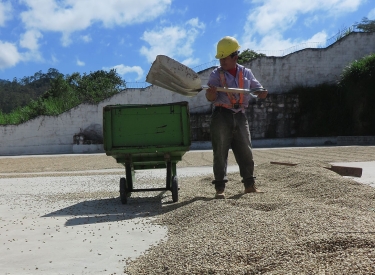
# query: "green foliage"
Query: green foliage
{"points": [[319, 110], [344, 32], [342, 109], [360, 72], [248, 55], [88, 88], [96, 86], [20, 92], [64, 93], [357, 86], [366, 25], [59, 87]]}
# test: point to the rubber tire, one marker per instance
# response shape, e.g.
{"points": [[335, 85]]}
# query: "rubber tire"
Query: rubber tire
{"points": [[174, 189], [123, 191], [129, 178], [169, 176]]}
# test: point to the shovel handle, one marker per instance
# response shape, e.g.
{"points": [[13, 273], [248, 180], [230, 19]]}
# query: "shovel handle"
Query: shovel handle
{"points": [[237, 90]]}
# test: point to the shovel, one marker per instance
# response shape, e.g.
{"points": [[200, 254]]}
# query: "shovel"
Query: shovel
{"points": [[168, 73]]}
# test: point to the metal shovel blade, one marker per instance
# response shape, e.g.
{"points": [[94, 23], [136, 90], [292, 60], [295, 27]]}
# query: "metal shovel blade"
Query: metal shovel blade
{"points": [[169, 74], [174, 76]]}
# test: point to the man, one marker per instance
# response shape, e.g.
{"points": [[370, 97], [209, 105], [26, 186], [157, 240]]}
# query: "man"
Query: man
{"points": [[229, 124]]}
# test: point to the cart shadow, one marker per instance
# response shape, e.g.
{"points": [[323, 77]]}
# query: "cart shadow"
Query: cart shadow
{"points": [[111, 209]]}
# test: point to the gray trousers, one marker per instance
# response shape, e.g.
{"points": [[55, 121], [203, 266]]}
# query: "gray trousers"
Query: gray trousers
{"points": [[231, 130]]}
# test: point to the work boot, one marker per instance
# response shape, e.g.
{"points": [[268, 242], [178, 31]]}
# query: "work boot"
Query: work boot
{"points": [[220, 194], [219, 187], [249, 184], [252, 189]]}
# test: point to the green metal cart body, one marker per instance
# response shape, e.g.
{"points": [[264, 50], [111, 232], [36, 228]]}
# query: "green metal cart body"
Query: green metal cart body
{"points": [[147, 137]]}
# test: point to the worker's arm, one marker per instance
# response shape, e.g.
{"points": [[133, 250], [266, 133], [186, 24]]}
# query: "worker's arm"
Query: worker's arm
{"points": [[211, 93], [261, 94]]}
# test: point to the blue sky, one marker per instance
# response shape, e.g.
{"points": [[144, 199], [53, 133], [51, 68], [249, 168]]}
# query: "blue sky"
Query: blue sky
{"points": [[90, 35]]}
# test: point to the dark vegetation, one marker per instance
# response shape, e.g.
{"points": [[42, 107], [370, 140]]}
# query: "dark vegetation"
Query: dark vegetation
{"points": [[53, 93], [345, 108], [366, 25], [19, 92], [248, 55]]}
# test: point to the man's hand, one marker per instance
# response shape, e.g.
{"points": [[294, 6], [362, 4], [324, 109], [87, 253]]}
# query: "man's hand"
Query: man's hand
{"points": [[261, 94], [211, 93]]}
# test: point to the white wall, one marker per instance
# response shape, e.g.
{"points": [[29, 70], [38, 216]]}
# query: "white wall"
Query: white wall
{"points": [[310, 67], [54, 135]]}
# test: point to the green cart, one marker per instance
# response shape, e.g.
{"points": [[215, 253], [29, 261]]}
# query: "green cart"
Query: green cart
{"points": [[147, 137]]}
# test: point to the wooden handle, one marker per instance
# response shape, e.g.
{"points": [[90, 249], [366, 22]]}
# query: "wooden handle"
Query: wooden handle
{"points": [[252, 92], [233, 90]]}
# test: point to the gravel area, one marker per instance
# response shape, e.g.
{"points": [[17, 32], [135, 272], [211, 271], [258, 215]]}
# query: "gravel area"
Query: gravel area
{"points": [[309, 220]]}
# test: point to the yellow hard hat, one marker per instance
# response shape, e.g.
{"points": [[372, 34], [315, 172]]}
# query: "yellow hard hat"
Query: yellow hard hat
{"points": [[226, 46]]}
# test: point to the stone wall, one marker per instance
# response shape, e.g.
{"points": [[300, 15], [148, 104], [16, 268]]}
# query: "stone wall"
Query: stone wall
{"points": [[274, 117]]}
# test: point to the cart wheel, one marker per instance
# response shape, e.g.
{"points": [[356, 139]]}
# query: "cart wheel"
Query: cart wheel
{"points": [[129, 177], [123, 191], [174, 189], [169, 175]]}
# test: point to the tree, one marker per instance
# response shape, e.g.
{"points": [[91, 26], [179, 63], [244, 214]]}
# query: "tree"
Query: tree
{"points": [[59, 88], [357, 87], [366, 25], [88, 88], [248, 55], [53, 93], [20, 92], [94, 87], [53, 73]]}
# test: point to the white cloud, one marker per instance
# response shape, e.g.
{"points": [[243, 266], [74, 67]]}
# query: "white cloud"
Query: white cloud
{"points": [[163, 41], [317, 38], [123, 70], [70, 15], [172, 41], [65, 39], [220, 18], [276, 44], [269, 44], [80, 63], [5, 12], [194, 22], [190, 61], [29, 40], [9, 55], [371, 14], [32, 56], [273, 16], [86, 38], [54, 59], [271, 19]]}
